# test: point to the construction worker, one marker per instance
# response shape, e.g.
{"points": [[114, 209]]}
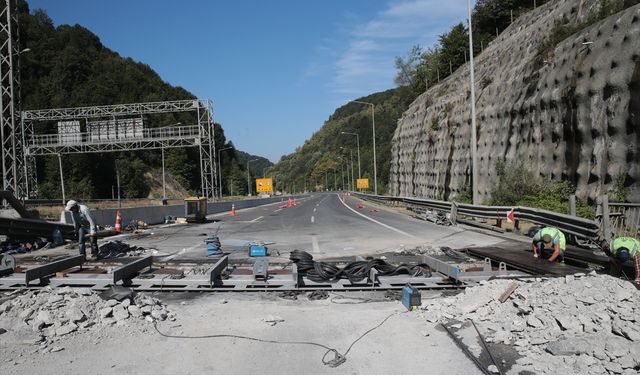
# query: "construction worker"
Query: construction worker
{"points": [[621, 250], [84, 224], [551, 241]]}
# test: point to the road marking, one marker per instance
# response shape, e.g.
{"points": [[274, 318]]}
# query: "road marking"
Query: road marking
{"points": [[181, 252], [256, 219], [313, 219], [314, 244], [314, 210], [375, 221], [278, 210]]}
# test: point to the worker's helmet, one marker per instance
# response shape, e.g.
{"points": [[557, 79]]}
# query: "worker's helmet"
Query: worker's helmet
{"points": [[70, 204], [623, 254], [547, 238]]}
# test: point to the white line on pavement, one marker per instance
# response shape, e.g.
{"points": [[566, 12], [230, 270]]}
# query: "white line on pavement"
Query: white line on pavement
{"points": [[313, 219], [278, 210], [256, 219], [314, 210], [181, 252], [314, 244], [374, 220]]}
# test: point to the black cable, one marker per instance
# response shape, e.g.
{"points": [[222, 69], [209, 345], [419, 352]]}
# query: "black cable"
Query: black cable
{"points": [[354, 271], [335, 362]]}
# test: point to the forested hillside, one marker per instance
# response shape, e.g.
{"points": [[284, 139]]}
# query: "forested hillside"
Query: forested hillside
{"points": [[319, 158], [68, 66]]}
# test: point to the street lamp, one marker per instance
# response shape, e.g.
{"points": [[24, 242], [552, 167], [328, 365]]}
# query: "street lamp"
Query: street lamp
{"points": [[220, 168], [375, 171], [474, 156], [164, 184], [248, 177], [358, 144], [351, 158]]}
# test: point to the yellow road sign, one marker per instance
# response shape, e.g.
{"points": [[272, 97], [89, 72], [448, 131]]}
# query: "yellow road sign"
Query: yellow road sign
{"points": [[264, 185], [363, 183]]}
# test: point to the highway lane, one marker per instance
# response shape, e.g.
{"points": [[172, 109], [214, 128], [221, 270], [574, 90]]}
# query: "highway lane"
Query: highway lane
{"points": [[321, 224]]}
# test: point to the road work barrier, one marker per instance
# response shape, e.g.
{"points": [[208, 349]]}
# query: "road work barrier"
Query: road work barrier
{"points": [[573, 225], [156, 214]]}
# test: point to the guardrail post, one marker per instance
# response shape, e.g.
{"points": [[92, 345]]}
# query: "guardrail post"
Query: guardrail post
{"points": [[454, 213], [605, 221], [572, 205]]}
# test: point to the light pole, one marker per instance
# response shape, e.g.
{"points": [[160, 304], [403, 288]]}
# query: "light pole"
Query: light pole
{"points": [[358, 145], [474, 156], [220, 168], [61, 178], [375, 171], [248, 177], [350, 158]]}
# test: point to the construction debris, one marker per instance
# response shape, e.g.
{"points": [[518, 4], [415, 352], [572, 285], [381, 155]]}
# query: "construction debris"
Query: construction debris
{"points": [[55, 313], [579, 325], [117, 249]]}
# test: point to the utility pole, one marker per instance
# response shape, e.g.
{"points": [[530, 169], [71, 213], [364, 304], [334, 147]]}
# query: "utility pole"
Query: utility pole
{"points": [[248, 177], [474, 142], [118, 183]]}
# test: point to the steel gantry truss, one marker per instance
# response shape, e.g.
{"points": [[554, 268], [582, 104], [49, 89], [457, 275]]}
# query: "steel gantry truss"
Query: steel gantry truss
{"points": [[10, 133], [200, 135]]}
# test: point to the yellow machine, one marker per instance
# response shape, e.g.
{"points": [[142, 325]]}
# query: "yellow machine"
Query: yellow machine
{"points": [[195, 209]]}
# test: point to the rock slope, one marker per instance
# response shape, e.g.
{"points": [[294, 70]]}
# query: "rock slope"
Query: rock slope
{"points": [[571, 111]]}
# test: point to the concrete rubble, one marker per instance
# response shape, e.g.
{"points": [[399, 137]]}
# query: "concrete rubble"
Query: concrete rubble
{"points": [[44, 317], [582, 324]]}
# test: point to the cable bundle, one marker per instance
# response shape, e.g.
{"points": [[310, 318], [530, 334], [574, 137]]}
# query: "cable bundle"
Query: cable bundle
{"points": [[354, 271]]}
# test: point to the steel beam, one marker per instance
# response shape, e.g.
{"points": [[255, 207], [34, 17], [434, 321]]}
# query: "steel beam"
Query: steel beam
{"points": [[49, 269], [214, 274], [126, 272]]}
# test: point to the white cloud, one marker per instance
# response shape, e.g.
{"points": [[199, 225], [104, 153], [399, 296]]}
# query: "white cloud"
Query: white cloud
{"points": [[366, 64]]}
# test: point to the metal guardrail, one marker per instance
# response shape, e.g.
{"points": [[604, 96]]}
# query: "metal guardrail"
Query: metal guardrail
{"points": [[577, 226]]}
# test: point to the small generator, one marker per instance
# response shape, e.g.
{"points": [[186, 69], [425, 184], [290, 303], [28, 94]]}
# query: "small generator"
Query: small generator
{"points": [[411, 297]]}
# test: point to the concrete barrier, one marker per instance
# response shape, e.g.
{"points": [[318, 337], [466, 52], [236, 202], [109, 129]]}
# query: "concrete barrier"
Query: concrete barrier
{"points": [[156, 214]]}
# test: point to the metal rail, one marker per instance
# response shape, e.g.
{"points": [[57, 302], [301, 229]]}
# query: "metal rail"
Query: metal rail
{"points": [[213, 280], [579, 227]]}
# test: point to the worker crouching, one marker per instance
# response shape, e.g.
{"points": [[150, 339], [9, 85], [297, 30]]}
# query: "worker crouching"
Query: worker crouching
{"points": [[549, 243], [621, 250], [84, 224]]}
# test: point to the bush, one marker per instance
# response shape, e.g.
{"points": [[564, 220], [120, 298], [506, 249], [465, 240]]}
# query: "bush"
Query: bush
{"points": [[518, 186]]}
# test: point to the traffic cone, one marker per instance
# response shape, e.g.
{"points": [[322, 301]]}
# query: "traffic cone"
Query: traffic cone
{"points": [[294, 202], [233, 209], [118, 225], [289, 203]]}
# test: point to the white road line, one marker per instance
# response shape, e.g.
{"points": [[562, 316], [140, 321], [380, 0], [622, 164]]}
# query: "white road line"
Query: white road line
{"points": [[181, 252], [314, 210], [256, 219], [314, 244], [278, 210], [375, 221], [313, 219]]}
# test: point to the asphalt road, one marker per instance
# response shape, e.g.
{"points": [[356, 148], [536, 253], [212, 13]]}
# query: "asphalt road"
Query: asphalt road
{"points": [[321, 224]]}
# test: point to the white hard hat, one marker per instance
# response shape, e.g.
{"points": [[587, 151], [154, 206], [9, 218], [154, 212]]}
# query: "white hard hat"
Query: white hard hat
{"points": [[70, 205]]}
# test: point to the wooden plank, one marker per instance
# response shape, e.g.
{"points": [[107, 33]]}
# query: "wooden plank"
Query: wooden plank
{"points": [[513, 286]]}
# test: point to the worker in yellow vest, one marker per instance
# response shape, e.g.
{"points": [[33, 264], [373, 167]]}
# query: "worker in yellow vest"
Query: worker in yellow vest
{"points": [[549, 243], [621, 250]]}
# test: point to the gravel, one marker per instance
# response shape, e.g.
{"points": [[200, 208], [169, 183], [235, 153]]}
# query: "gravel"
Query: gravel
{"points": [[582, 324]]}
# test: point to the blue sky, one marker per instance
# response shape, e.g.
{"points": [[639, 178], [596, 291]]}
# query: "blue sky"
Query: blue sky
{"points": [[275, 70]]}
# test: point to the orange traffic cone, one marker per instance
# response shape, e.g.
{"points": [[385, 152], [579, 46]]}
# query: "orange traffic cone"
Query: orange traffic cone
{"points": [[289, 203], [294, 202], [118, 222], [233, 209]]}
